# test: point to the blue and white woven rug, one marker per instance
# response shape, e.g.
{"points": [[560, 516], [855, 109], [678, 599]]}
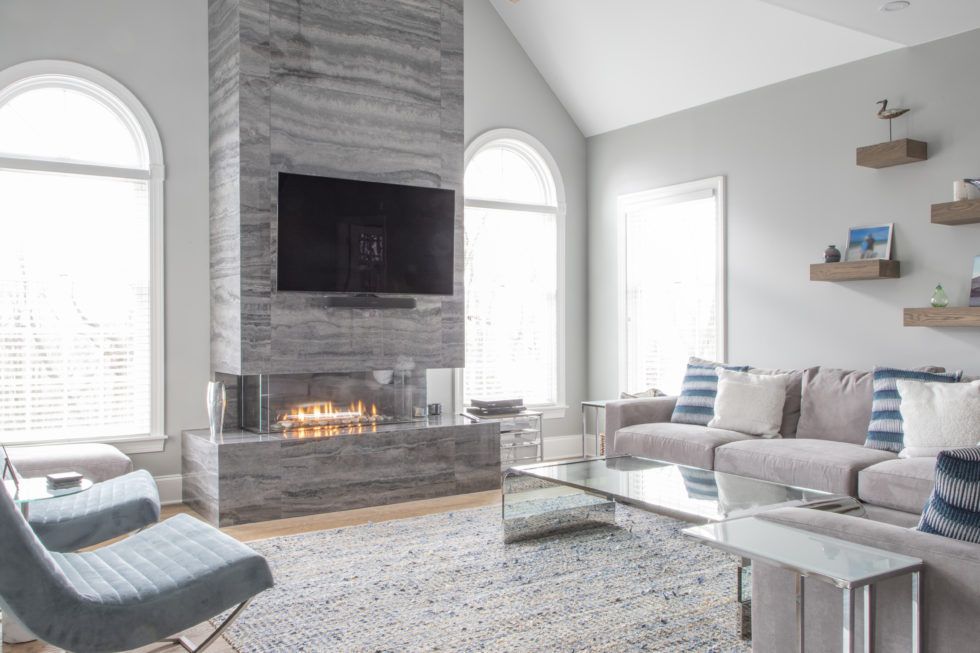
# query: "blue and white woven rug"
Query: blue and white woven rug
{"points": [[447, 582]]}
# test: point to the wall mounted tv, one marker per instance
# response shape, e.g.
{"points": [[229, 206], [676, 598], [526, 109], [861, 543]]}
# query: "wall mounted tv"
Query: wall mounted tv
{"points": [[345, 236]]}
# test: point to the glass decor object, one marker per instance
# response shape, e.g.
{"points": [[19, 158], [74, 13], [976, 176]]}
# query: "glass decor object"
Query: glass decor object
{"points": [[217, 401], [939, 297]]}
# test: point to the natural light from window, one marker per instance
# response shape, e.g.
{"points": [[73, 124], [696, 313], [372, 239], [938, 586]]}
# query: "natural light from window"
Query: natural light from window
{"points": [[671, 300], [512, 227], [75, 267]]}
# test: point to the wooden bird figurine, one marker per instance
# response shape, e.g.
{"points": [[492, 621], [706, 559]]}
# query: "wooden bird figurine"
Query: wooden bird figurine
{"points": [[889, 114]]}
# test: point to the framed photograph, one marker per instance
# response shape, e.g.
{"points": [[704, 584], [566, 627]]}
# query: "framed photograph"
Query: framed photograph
{"points": [[869, 242], [975, 283]]}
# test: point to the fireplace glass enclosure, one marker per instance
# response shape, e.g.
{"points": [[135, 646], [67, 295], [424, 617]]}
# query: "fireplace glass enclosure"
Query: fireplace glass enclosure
{"points": [[273, 403]]}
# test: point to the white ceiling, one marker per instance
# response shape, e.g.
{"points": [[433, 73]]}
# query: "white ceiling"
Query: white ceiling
{"points": [[614, 63]]}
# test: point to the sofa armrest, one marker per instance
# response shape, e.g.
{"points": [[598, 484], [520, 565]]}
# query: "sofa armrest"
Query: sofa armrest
{"points": [[627, 412], [950, 578]]}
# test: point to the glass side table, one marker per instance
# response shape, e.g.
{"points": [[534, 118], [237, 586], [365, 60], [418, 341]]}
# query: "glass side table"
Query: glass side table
{"points": [[521, 435], [849, 566], [597, 408], [24, 491]]}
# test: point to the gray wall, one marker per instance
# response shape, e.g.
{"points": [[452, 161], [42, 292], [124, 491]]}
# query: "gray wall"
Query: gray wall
{"points": [[504, 89], [793, 188], [159, 51]]}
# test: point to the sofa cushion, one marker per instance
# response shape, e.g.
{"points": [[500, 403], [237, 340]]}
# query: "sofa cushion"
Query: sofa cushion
{"points": [[815, 464], [685, 444], [696, 403], [902, 484], [836, 405]]}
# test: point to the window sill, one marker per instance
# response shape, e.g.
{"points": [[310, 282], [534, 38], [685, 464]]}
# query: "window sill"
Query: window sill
{"points": [[128, 444]]}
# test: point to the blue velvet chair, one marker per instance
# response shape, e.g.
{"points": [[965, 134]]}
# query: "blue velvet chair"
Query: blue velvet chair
{"points": [[106, 510], [134, 592]]}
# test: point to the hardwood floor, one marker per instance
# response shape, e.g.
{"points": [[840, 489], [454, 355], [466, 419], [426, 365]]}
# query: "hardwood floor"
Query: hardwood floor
{"points": [[293, 526]]}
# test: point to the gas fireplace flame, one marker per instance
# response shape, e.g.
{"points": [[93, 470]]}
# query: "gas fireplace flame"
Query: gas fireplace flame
{"points": [[328, 414]]}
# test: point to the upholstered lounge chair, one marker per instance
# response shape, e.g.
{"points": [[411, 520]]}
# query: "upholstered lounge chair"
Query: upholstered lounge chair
{"points": [[128, 594], [106, 510]]}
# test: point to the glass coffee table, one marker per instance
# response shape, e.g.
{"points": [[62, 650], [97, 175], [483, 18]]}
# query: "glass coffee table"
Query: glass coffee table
{"points": [[548, 498]]}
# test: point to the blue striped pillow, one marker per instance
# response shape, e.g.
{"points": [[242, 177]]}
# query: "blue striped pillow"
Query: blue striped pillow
{"points": [[696, 403], [885, 430], [953, 509]]}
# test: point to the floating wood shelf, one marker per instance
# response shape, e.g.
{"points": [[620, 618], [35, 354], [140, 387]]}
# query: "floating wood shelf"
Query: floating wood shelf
{"points": [[892, 153], [956, 213], [962, 316], [855, 270]]}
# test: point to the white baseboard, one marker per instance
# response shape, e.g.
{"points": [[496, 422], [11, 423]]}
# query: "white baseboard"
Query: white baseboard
{"points": [[170, 488], [565, 446]]}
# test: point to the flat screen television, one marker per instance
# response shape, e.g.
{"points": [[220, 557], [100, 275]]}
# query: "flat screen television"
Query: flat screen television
{"points": [[345, 236]]}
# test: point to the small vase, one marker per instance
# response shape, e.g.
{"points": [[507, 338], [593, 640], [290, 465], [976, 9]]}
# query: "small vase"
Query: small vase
{"points": [[939, 297], [217, 401], [831, 254]]}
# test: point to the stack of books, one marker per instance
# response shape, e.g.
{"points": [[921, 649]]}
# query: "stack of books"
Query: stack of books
{"points": [[490, 407], [64, 480]]}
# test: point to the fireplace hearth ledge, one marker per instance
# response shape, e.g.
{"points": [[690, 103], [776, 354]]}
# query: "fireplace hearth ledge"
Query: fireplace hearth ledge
{"points": [[249, 477]]}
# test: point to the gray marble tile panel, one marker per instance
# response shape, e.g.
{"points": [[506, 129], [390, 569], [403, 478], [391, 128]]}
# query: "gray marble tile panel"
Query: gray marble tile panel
{"points": [[226, 345], [250, 483], [329, 133], [254, 29], [412, 337], [199, 467], [310, 337], [387, 49], [477, 459], [344, 472]]}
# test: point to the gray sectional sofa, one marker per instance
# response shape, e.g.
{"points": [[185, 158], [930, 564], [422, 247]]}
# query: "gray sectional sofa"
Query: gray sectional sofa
{"points": [[825, 421], [824, 426]]}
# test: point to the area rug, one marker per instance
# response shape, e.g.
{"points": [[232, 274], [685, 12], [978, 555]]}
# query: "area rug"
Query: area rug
{"points": [[447, 582]]}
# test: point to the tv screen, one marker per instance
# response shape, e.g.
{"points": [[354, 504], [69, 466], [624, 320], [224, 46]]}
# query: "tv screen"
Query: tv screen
{"points": [[344, 236]]}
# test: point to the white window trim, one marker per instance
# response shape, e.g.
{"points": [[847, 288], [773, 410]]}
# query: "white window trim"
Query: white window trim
{"points": [[54, 72], [554, 410], [633, 201]]}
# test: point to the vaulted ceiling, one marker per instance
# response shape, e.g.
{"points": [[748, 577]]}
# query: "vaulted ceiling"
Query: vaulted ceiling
{"points": [[614, 63]]}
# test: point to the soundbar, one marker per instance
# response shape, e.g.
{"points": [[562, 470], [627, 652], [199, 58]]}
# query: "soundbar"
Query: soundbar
{"points": [[369, 301]]}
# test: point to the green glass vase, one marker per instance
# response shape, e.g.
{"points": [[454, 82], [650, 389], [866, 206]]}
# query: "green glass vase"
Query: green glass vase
{"points": [[939, 297]]}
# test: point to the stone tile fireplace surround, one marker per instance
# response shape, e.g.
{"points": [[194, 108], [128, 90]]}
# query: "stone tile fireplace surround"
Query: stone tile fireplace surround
{"points": [[290, 91]]}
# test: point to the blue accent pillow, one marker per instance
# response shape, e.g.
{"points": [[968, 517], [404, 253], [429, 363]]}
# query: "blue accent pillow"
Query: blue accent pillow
{"points": [[953, 509], [696, 403], [885, 430]]}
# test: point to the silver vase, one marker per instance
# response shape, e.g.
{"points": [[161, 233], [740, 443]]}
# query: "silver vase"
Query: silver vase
{"points": [[217, 401]]}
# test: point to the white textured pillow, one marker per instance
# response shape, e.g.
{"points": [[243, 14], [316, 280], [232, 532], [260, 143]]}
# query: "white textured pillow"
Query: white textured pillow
{"points": [[944, 415], [750, 403]]}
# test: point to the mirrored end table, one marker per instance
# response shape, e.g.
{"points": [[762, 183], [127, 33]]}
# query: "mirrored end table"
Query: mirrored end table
{"points": [[849, 566]]}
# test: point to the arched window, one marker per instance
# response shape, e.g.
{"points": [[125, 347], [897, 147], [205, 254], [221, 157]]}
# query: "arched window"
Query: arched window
{"points": [[514, 235], [81, 207]]}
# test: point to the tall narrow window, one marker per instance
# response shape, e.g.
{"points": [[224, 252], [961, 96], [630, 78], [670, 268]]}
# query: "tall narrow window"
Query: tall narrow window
{"points": [[671, 283], [513, 236], [80, 306]]}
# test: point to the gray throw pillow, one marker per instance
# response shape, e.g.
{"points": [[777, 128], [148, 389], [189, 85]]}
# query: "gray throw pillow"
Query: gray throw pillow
{"points": [[794, 398]]}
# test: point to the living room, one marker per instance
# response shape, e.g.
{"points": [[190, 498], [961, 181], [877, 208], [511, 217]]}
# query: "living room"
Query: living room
{"points": [[608, 378]]}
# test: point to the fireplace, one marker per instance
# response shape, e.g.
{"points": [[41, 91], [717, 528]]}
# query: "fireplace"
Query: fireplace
{"points": [[317, 405]]}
